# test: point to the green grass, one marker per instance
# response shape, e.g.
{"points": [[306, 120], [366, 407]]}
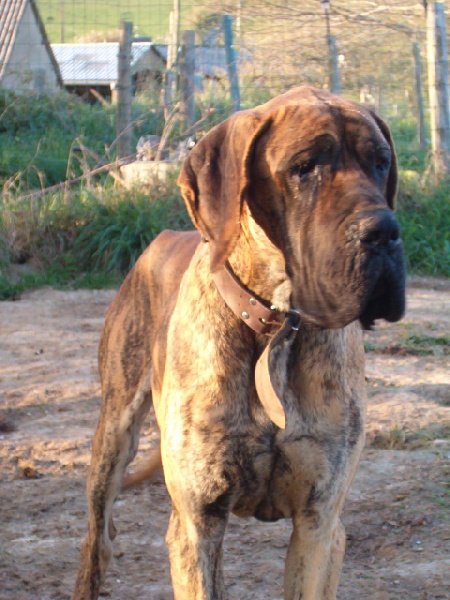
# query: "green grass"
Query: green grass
{"points": [[150, 18], [42, 137], [403, 438], [119, 232], [409, 154], [94, 230], [424, 215], [87, 238], [413, 344], [57, 276], [425, 345]]}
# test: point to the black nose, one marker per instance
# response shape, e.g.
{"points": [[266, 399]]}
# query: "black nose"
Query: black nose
{"points": [[379, 230]]}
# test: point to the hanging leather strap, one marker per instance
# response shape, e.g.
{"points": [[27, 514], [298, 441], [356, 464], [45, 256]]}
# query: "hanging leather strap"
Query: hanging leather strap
{"points": [[271, 369]]}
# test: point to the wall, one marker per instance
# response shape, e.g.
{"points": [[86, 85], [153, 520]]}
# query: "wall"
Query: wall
{"points": [[29, 65]]}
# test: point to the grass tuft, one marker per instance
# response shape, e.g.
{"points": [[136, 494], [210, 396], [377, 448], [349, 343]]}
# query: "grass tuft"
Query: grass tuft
{"points": [[403, 438], [119, 232], [85, 238]]}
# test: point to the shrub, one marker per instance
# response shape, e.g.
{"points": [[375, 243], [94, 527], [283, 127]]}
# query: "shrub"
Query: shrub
{"points": [[424, 216], [38, 133], [67, 236], [120, 229]]}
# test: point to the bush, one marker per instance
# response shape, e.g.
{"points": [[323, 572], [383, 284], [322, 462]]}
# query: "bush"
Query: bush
{"points": [[120, 229], [424, 216], [93, 234], [409, 154], [78, 237], [38, 134]]}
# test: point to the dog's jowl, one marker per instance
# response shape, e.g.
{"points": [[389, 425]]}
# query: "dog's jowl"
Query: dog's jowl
{"points": [[296, 250]]}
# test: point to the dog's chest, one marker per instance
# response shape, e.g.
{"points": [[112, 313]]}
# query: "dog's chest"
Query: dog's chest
{"points": [[305, 468]]}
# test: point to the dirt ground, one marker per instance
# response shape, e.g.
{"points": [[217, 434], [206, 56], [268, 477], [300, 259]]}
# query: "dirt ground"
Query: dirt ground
{"points": [[397, 515]]}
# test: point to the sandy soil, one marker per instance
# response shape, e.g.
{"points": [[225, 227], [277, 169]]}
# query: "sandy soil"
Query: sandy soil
{"points": [[397, 516]]}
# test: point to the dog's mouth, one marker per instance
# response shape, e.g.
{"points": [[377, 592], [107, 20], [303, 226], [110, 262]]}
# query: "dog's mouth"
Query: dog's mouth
{"points": [[374, 290], [387, 299]]}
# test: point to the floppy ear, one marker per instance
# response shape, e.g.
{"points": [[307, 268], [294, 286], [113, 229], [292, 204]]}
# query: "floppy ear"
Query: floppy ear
{"points": [[392, 182], [213, 181]]}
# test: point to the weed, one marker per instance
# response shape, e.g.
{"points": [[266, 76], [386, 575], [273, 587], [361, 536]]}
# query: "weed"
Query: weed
{"points": [[9, 290], [402, 438], [370, 346], [409, 154], [424, 345]]}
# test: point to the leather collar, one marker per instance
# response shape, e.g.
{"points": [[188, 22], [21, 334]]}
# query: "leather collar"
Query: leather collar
{"points": [[245, 305], [271, 375]]}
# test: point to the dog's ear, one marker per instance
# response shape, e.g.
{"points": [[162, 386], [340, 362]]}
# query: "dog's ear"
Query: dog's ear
{"points": [[213, 181], [392, 182]]}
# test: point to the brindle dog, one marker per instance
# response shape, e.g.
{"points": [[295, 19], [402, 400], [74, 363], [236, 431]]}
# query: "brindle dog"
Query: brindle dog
{"points": [[295, 199]]}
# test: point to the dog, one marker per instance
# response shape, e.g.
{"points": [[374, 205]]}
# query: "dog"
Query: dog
{"points": [[246, 335]]}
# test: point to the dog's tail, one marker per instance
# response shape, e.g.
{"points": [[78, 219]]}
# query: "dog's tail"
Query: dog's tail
{"points": [[153, 464]]}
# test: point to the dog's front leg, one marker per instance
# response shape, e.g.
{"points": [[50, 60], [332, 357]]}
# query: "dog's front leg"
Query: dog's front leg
{"points": [[195, 549], [314, 561]]}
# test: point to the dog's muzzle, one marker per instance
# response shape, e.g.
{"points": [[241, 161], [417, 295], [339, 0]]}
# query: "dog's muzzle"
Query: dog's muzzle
{"points": [[382, 267], [379, 231]]}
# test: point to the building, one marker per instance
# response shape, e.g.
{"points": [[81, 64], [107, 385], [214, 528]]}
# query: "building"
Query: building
{"points": [[92, 69], [26, 57]]}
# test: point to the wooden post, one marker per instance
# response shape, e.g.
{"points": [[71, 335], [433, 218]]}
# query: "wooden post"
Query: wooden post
{"points": [[172, 57], [419, 96], [124, 91], [438, 88], [335, 82], [187, 72], [333, 65], [63, 22], [231, 62]]}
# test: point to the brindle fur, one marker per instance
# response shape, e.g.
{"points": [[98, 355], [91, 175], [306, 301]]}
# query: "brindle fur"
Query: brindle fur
{"points": [[296, 195]]}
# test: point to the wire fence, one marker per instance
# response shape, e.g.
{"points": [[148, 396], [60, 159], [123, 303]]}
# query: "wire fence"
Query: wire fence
{"points": [[370, 51]]}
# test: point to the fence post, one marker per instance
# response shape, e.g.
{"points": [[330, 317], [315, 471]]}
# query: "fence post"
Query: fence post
{"points": [[172, 55], [419, 95], [437, 58], [231, 61], [335, 82], [333, 65], [124, 91], [187, 73]]}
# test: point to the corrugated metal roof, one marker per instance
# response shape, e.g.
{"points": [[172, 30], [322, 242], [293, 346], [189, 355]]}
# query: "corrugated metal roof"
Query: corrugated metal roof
{"points": [[95, 63], [11, 12]]}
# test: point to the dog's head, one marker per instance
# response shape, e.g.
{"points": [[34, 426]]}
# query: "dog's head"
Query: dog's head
{"points": [[319, 175]]}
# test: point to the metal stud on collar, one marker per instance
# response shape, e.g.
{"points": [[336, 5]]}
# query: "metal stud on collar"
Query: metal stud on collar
{"points": [[245, 305]]}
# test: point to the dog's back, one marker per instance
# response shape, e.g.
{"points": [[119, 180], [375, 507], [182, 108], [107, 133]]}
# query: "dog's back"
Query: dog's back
{"points": [[137, 318]]}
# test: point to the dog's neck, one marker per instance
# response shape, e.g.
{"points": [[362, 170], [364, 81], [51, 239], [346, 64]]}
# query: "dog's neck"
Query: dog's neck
{"points": [[260, 265]]}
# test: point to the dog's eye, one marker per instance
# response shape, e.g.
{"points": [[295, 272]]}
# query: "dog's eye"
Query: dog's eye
{"points": [[303, 169], [382, 164]]}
